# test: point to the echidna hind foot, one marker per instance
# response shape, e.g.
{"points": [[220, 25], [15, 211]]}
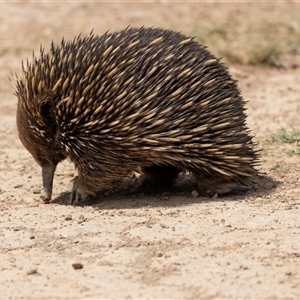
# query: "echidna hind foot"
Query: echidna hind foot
{"points": [[158, 176], [219, 186]]}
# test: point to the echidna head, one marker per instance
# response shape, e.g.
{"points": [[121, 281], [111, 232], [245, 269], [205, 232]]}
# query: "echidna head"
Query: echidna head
{"points": [[38, 133]]}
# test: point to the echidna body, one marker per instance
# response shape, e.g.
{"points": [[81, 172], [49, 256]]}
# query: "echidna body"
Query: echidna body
{"points": [[139, 98]]}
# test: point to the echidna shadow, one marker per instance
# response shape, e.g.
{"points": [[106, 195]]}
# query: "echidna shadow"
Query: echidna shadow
{"points": [[144, 99], [131, 195]]}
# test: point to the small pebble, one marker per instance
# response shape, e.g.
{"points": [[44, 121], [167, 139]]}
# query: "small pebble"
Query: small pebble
{"points": [[31, 272], [195, 194], [215, 196], [163, 225], [77, 266], [82, 219]]}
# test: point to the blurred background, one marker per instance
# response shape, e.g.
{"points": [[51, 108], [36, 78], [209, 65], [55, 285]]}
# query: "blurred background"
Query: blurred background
{"points": [[245, 33], [252, 38]]}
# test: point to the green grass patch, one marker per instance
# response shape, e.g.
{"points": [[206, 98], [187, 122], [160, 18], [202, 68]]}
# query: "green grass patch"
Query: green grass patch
{"points": [[262, 43], [293, 152], [280, 169], [287, 136], [290, 137], [3, 52], [270, 54], [18, 51]]}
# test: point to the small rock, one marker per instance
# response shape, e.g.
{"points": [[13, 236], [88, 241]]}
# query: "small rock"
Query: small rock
{"points": [[215, 196], [82, 219], [31, 272], [77, 266], [195, 194], [68, 218]]}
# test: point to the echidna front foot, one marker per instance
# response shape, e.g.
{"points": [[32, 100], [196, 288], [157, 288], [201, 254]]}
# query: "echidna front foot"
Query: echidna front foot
{"points": [[77, 197], [47, 175], [80, 192], [158, 176]]}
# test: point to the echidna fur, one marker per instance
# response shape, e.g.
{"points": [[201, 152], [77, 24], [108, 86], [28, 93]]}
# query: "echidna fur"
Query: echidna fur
{"points": [[139, 98]]}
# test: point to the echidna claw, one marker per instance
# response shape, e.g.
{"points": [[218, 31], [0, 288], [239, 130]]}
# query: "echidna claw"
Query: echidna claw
{"points": [[227, 188], [77, 196], [241, 188], [74, 197]]}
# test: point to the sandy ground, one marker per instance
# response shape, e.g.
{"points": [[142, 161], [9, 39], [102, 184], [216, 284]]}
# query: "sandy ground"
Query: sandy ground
{"points": [[167, 245]]}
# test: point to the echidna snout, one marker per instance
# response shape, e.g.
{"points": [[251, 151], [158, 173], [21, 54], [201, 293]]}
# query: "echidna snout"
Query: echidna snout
{"points": [[146, 98]]}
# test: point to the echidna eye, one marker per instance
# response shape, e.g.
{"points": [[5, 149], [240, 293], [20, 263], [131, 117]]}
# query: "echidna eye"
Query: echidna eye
{"points": [[46, 111], [48, 115]]}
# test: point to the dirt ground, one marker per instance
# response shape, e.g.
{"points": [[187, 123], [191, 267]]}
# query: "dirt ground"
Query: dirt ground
{"points": [[165, 245]]}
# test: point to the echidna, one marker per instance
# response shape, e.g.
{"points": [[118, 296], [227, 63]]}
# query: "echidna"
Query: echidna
{"points": [[139, 99]]}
